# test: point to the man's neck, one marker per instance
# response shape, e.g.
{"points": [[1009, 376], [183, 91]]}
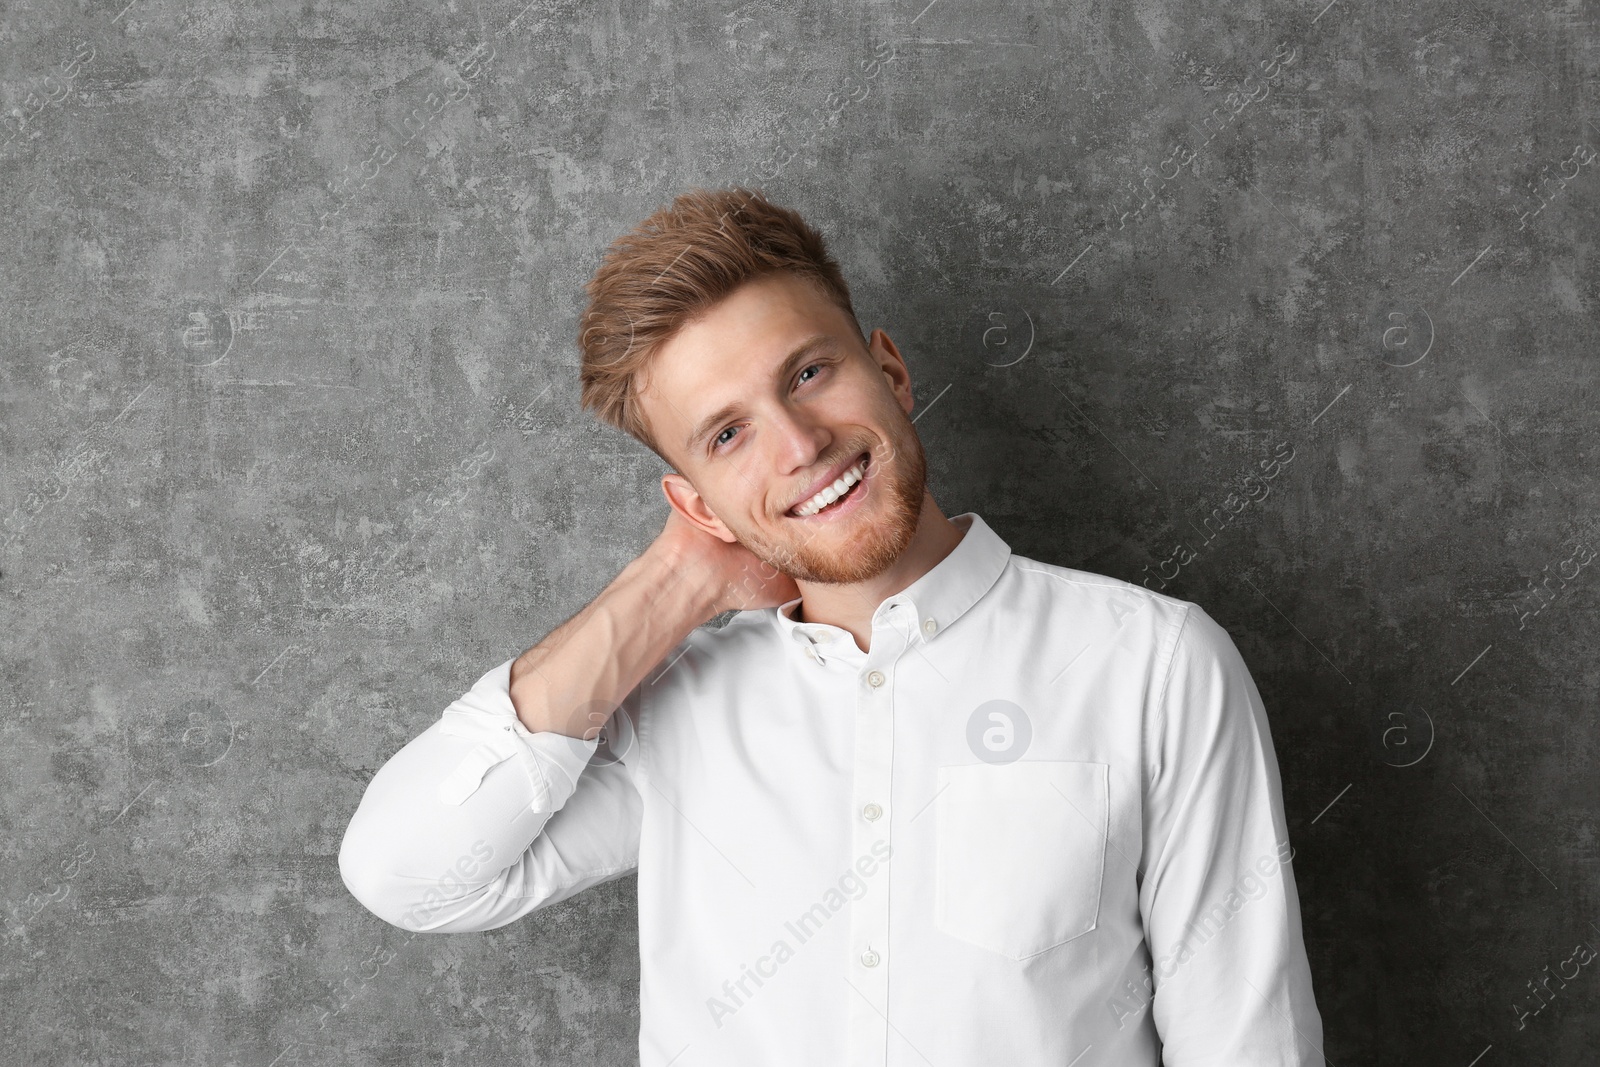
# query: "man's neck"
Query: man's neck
{"points": [[850, 607]]}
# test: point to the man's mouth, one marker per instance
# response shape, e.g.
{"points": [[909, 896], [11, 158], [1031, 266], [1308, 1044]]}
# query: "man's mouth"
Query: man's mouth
{"points": [[836, 495]]}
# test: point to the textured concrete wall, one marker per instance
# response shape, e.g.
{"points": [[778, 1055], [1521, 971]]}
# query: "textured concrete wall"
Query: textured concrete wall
{"points": [[1285, 309]]}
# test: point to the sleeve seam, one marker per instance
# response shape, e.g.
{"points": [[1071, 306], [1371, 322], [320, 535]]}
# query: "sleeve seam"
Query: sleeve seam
{"points": [[1172, 660], [642, 730]]}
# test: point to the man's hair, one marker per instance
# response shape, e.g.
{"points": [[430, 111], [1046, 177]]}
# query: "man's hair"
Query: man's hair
{"points": [[673, 267]]}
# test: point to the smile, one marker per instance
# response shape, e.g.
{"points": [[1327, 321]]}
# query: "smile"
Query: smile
{"points": [[837, 496]]}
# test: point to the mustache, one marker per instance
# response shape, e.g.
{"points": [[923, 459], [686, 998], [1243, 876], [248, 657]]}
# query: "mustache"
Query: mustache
{"points": [[865, 448]]}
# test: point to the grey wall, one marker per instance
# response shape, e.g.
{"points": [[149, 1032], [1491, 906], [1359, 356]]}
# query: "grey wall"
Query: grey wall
{"points": [[292, 453]]}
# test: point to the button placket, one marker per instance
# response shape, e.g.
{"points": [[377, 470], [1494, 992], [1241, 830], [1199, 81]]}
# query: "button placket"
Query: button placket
{"points": [[867, 1028]]}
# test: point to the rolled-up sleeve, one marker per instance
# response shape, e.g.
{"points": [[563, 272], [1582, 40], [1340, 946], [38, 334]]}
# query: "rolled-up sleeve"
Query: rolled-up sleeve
{"points": [[478, 821], [1217, 896]]}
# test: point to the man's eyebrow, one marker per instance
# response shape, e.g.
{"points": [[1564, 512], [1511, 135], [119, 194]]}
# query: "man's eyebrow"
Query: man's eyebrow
{"points": [[806, 349]]}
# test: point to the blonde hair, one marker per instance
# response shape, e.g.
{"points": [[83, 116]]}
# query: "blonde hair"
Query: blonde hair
{"points": [[671, 268]]}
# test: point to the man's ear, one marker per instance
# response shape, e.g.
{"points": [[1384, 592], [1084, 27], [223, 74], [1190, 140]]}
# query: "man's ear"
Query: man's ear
{"points": [[892, 365], [683, 498]]}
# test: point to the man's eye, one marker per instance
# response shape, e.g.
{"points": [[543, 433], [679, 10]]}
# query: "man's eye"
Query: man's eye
{"points": [[718, 441]]}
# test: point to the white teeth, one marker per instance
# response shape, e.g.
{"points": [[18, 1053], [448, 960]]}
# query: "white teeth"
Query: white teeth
{"points": [[832, 492]]}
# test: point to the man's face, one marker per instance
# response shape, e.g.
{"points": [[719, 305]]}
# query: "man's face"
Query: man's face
{"points": [[764, 397]]}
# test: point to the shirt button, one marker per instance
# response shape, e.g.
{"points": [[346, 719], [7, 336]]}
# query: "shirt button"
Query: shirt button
{"points": [[869, 958], [929, 626], [871, 812], [875, 679]]}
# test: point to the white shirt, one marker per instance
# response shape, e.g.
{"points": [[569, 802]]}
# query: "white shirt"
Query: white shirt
{"points": [[1040, 822]]}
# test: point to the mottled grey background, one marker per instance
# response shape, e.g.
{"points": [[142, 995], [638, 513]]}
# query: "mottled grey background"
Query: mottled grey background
{"points": [[292, 453]]}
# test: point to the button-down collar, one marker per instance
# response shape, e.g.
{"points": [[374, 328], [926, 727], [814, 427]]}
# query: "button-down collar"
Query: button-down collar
{"points": [[932, 603]]}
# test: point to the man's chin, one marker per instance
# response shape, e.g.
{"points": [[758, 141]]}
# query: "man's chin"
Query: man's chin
{"points": [[856, 549]]}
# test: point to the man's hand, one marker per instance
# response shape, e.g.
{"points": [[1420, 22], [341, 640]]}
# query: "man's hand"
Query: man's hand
{"points": [[739, 579]]}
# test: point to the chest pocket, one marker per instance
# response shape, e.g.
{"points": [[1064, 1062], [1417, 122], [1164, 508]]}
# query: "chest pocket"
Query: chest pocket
{"points": [[1020, 853]]}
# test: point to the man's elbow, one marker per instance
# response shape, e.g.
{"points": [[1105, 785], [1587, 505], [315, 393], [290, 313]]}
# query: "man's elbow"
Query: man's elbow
{"points": [[370, 877]]}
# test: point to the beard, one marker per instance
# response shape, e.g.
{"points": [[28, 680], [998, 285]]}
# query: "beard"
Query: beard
{"points": [[867, 543]]}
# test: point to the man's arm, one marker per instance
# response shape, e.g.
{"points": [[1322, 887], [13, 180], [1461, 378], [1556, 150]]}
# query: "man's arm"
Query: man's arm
{"points": [[1218, 899], [495, 810]]}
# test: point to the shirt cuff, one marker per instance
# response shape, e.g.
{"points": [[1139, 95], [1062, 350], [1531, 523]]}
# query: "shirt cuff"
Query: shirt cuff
{"points": [[553, 761]]}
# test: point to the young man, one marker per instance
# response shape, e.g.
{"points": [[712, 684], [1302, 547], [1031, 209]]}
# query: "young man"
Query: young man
{"points": [[922, 800]]}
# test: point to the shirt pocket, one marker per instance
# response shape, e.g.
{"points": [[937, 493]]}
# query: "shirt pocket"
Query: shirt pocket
{"points": [[1020, 853]]}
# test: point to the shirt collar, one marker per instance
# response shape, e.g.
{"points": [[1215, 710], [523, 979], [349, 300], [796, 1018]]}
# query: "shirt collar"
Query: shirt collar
{"points": [[935, 600]]}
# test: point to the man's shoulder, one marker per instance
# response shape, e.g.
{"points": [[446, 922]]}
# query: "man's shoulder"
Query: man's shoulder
{"points": [[1092, 588], [726, 639], [736, 626]]}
